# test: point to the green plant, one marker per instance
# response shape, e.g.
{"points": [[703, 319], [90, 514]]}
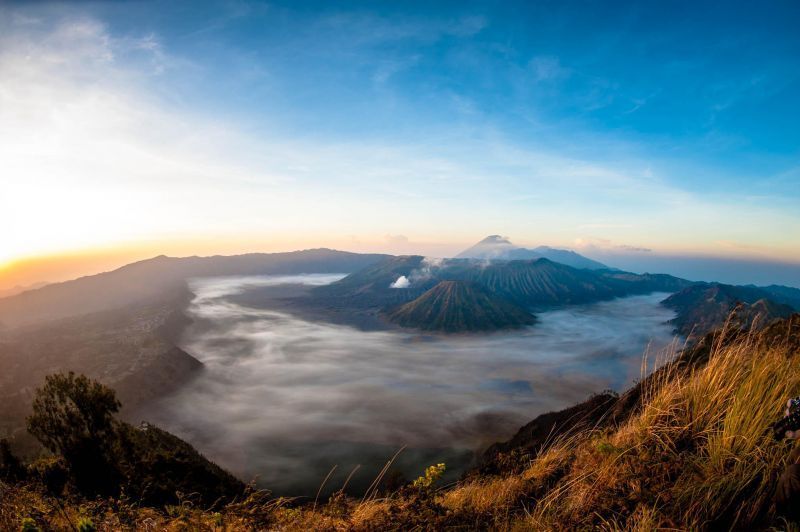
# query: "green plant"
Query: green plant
{"points": [[28, 525], [432, 474], [85, 524], [73, 416], [605, 447], [51, 473], [10, 467], [71, 410]]}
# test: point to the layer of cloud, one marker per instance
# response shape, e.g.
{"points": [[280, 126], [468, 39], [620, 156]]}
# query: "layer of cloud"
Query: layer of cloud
{"points": [[287, 399], [596, 244], [548, 68]]}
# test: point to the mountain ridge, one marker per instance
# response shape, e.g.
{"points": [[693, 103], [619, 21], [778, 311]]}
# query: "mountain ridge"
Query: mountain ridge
{"points": [[704, 307], [143, 281], [530, 284]]}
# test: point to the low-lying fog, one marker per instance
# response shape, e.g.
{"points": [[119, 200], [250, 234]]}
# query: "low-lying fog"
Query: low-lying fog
{"points": [[283, 400]]}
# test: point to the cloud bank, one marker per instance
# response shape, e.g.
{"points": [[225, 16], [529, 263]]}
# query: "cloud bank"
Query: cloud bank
{"points": [[283, 399]]}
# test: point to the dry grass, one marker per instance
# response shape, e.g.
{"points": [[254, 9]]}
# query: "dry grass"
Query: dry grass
{"points": [[486, 496], [695, 456]]}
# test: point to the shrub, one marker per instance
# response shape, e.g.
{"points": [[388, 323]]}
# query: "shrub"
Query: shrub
{"points": [[85, 524], [74, 416], [51, 473], [432, 474], [10, 467], [28, 525]]}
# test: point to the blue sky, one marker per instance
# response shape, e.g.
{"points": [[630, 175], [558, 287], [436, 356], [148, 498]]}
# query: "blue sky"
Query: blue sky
{"points": [[608, 127], [694, 84]]}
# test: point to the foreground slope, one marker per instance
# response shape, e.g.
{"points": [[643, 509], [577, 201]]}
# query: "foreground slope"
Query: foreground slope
{"points": [[690, 451], [459, 306]]}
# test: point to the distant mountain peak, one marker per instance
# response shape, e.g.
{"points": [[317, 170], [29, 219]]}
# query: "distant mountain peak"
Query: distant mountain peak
{"points": [[497, 247], [496, 239]]}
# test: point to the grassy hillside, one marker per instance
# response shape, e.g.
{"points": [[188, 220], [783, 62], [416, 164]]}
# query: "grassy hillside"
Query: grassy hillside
{"points": [[692, 452]]}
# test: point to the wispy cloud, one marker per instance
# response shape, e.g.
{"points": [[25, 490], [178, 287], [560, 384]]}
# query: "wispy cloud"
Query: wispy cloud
{"points": [[86, 134], [547, 68], [604, 244]]}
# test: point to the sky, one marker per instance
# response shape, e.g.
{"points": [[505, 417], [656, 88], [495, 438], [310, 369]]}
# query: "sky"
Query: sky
{"points": [[639, 133]]}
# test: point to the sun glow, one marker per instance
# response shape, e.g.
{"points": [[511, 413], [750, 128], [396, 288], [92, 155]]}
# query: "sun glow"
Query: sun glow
{"points": [[96, 158]]}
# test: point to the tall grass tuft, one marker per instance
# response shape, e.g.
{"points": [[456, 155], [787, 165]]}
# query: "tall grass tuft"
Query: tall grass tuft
{"points": [[698, 453]]}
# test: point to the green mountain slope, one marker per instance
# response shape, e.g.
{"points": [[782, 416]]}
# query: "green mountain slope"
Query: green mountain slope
{"points": [[530, 283], [459, 306], [373, 285], [162, 465], [542, 282]]}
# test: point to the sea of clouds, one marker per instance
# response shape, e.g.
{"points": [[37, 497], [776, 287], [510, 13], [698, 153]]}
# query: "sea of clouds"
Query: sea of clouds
{"points": [[283, 400]]}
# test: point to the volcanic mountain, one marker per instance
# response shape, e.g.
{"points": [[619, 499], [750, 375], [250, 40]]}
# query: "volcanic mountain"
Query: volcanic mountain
{"points": [[543, 282], [460, 306], [531, 283], [496, 247]]}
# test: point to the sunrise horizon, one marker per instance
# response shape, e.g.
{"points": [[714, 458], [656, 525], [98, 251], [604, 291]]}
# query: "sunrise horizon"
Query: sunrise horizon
{"points": [[128, 136], [40, 269]]}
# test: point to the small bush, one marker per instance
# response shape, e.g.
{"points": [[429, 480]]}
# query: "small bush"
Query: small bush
{"points": [[85, 524], [432, 474], [51, 473], [28, 525], [11, 469]]}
